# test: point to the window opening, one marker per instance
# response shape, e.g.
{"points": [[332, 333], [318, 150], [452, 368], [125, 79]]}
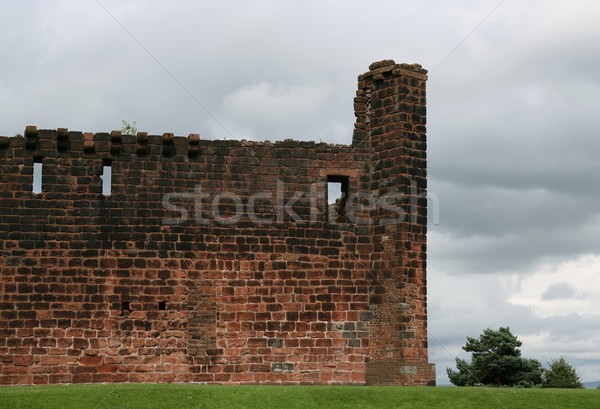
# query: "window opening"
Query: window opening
{"points": [[162, 305], [37, 175], [106, 178], [337, 196]]}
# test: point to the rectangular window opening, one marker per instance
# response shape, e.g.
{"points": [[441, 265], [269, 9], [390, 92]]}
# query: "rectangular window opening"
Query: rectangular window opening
{"points": [[125, 308], [37, 175], [337, 195], [106, 178], [162, 305]]}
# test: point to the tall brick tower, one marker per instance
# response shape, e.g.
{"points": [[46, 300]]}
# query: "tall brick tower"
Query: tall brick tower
{"points": [[391, 114]]}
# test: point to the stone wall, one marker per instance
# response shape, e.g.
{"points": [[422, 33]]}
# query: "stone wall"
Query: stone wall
{"points": [[220, 261]]}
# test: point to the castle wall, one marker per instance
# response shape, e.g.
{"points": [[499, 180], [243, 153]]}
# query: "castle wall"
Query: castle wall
{"points": [[220, 261]]}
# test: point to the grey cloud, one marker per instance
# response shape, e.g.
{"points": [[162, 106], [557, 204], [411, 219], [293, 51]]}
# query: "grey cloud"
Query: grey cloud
{"points": [[558, 291], [465, 305], [512, 131]]}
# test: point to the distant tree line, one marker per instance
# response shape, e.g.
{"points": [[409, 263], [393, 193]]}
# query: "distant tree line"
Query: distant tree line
{"points": [[497, 361]]}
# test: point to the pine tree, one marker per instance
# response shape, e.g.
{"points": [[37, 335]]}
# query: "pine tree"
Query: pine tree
{"points": [[561, 374], [496, 361]]}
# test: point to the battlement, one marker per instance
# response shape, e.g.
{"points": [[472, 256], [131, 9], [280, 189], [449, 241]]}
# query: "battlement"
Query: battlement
{"points": [[220, 261], [115, 143]]}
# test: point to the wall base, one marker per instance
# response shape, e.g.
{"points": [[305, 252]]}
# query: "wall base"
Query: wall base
{"points": [[398, 373]]}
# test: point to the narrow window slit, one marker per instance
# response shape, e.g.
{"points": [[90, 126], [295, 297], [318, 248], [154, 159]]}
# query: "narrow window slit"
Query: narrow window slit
{"points": [[106, 177], [162, 305], [337, 196], [125, 310], [37, 175]]}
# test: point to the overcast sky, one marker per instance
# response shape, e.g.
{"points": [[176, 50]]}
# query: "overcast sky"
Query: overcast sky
{"points": [[513, 125]]}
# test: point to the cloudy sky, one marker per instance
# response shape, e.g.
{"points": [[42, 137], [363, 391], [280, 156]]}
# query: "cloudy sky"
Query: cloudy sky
{"points": [[513, 130]]}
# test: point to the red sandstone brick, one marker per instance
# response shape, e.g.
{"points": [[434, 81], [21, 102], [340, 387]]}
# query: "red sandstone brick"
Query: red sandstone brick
{"points": [[90, 360], [14, 370], [40, 379], [81, 378], [57, 351], [57, 360], [231, 292], [60, 378], [107, 368], [26, 379], [22, 360], [120, 377], [40, 369]]}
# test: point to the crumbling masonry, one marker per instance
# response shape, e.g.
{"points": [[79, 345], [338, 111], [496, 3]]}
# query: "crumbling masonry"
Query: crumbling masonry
{"points": [[220, 261]]}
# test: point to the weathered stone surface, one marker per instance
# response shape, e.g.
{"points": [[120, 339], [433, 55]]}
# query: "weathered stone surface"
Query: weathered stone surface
{"points": [[216, 260]]}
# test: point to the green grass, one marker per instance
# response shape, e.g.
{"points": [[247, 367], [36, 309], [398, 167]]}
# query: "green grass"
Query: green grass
{"points": [[289, 397]]}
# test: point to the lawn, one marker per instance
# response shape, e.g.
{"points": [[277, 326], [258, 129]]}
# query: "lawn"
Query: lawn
{"points": [[179, 396]]}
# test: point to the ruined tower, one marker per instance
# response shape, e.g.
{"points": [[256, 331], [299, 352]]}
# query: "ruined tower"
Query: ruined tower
{"points": [[154, 258]]}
